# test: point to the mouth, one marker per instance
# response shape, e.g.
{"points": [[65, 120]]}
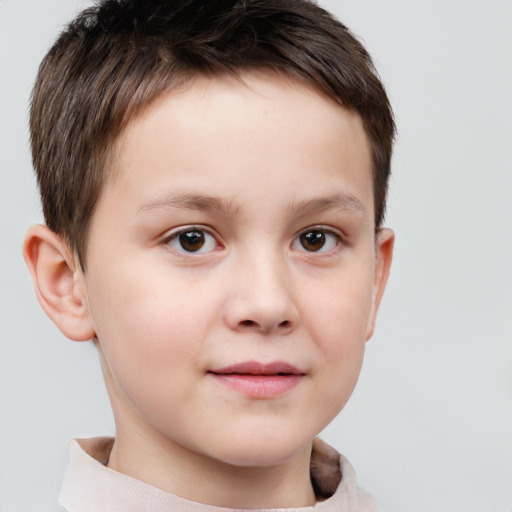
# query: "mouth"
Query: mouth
{"points": [[257, 380]]}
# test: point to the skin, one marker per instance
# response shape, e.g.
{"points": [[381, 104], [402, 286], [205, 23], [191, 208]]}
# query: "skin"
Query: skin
{"points": [[250, 166]]}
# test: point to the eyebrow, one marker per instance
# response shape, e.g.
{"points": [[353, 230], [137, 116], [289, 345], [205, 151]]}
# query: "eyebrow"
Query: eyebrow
{"points": [[190, 201], [201, 202], [345, 202]]}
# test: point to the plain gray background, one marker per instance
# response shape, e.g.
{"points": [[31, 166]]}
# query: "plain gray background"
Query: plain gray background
{"points": [[429, 427]]}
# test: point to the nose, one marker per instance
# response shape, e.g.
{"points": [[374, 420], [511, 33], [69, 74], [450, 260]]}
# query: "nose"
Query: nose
{"points": [[261, 299]]}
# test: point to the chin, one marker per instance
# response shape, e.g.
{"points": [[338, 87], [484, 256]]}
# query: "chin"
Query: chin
{"points": [[263, 450]]}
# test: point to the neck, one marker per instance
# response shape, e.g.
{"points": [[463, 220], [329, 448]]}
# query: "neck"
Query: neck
{"points": [[175, 469]]}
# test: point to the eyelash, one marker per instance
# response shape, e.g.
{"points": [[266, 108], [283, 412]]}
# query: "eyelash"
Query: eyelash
{"points": [[201, 235], [174, 242], [334, 237]]}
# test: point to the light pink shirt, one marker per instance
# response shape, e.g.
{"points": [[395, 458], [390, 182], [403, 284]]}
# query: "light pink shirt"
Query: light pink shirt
{"points": [[90, 486]]}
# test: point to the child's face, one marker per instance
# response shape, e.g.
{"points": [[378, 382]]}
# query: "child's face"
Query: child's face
{"points": [[236, 232]]}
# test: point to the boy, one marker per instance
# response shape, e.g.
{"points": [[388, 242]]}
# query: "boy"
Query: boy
{"points": [[213, 178]]}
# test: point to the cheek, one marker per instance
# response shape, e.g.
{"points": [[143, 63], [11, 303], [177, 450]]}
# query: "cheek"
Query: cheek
{"points": [[336, 317], [337, 312], [151, 332]]}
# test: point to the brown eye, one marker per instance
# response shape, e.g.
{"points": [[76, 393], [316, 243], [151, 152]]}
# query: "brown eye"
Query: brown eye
{"points": [[317, 240], [191, 241], [312, 241]]}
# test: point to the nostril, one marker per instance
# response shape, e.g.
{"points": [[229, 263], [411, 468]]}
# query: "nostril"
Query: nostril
{"points": [[252, 324]]}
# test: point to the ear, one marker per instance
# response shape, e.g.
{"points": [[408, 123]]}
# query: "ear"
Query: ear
{"points": [[384, 254], [58, 281]]}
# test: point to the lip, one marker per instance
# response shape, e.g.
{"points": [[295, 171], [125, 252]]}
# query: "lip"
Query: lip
{"points": [[258, 380]]}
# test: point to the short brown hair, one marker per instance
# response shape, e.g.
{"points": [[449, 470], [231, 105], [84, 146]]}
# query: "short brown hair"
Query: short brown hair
{"points": [[118, 56]]}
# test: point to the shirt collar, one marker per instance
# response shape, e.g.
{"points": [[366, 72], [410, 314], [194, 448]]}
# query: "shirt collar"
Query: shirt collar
{"points": [[90, 486]]}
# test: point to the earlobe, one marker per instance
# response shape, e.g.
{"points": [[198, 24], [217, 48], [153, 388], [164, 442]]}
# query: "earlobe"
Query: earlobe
{"points": [[58, 282], [384, 255]]}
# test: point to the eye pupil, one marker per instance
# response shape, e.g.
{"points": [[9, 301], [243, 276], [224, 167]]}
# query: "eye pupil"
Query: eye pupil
{"points": [[192, 241], [312, 240]]}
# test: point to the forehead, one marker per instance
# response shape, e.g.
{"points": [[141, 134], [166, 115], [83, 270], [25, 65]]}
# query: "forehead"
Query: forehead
{"points": [[226, 135]]}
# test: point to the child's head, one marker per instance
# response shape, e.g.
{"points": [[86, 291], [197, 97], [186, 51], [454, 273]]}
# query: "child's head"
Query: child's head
{"points": [[220, 170], [116, 58]]}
